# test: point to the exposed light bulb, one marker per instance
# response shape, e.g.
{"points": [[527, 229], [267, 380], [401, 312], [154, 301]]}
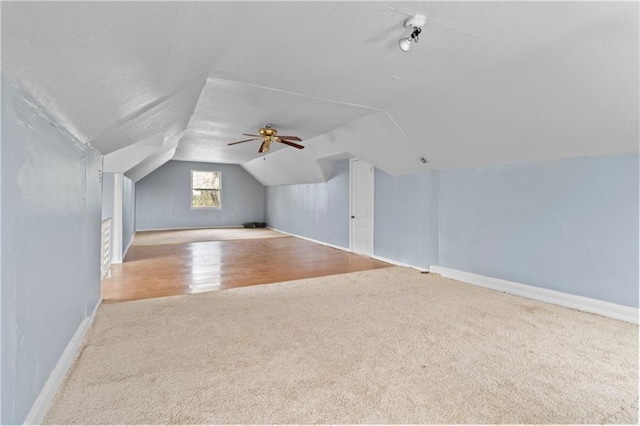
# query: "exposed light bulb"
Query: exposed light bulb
{"points": [[415, 23], [405, 44]]}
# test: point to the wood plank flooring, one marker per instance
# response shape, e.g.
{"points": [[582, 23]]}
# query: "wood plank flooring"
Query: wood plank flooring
{"points": [[173, 269]]}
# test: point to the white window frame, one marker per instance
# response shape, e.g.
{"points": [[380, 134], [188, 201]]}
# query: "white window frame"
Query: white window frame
{"points": [[191, 188]]}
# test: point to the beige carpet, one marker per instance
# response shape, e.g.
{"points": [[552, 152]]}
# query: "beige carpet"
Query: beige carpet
{"points": [[383, 346], [182, 236]]}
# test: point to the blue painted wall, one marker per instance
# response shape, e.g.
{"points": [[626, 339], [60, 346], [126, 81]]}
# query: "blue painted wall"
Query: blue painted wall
{"points": [[128, 207], [51, 218], [319, 211], [406, 218], [163, 198], [567, 225], [2, 113], [107, 201], [128, 212], [107, 195]]}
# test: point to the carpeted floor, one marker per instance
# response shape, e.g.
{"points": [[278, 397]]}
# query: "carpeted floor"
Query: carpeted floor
{"points": [[182, 236], [382, 346]]}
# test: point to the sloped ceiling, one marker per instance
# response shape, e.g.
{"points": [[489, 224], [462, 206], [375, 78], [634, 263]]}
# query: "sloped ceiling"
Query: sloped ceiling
{"points": [[227, 109], [488, 83]]}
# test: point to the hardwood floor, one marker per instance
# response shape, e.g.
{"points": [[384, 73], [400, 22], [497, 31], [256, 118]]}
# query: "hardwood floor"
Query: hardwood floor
{"points": [[173, 269]]}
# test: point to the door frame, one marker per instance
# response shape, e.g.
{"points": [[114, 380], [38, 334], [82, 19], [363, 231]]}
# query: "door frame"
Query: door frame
{"points": [[372, 188]]}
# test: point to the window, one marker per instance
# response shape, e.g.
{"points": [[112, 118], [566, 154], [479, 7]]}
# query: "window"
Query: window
{"points": [[205, 190]]}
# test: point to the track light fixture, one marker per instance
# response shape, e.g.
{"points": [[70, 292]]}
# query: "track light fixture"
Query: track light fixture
{"points": [[415, 23]]}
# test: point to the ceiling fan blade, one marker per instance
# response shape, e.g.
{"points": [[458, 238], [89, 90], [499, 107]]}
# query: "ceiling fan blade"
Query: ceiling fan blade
{"points": [[295, 145], [246, 140], [264, 147], [292, 138], [255, 136]]}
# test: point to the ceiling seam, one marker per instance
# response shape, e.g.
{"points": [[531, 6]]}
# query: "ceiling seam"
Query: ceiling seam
{"points": [[395, 123], [297, 94], [407, 138]]}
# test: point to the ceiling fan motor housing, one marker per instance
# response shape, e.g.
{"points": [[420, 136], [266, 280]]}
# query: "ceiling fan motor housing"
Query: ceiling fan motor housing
{"points": [[270, 135], [268, 131]]}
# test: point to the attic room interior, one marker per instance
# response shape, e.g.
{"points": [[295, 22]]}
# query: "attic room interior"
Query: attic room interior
{"points": [[446, 197]]}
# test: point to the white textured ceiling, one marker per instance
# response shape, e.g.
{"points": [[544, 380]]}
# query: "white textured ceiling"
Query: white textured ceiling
{"points": [[227, 109], [488, 83]]}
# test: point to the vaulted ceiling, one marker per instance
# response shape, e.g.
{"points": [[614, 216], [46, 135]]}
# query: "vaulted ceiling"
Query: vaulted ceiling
{"points": [[488, 83]]}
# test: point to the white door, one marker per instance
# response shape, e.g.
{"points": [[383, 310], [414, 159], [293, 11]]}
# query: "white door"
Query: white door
{"points": [[361, 229]]}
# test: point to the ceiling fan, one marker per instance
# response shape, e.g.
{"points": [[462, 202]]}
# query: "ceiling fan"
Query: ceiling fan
{"points": [[269, 135]]}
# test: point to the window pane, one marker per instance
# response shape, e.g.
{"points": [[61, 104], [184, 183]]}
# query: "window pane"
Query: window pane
{"points": [[205, 198], [205, 180]]}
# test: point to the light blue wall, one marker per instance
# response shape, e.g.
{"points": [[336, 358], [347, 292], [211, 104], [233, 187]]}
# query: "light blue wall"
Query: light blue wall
{"points": [[107, 201], [51, 209], [319, 211], [567, 225], [2, 349], [128, 207], [128, 212], [406, 218], [163, 198], [107, 195]]}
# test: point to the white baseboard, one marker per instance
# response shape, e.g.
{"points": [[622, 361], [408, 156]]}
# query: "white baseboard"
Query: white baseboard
{"points": [[311, 239], [586, 304], [48, 392], [380, 258], [395, 262]]}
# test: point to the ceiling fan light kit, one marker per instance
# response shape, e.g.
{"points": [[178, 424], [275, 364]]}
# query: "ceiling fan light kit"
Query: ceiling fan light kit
{"points": [[416, 23], [269, 135]]}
